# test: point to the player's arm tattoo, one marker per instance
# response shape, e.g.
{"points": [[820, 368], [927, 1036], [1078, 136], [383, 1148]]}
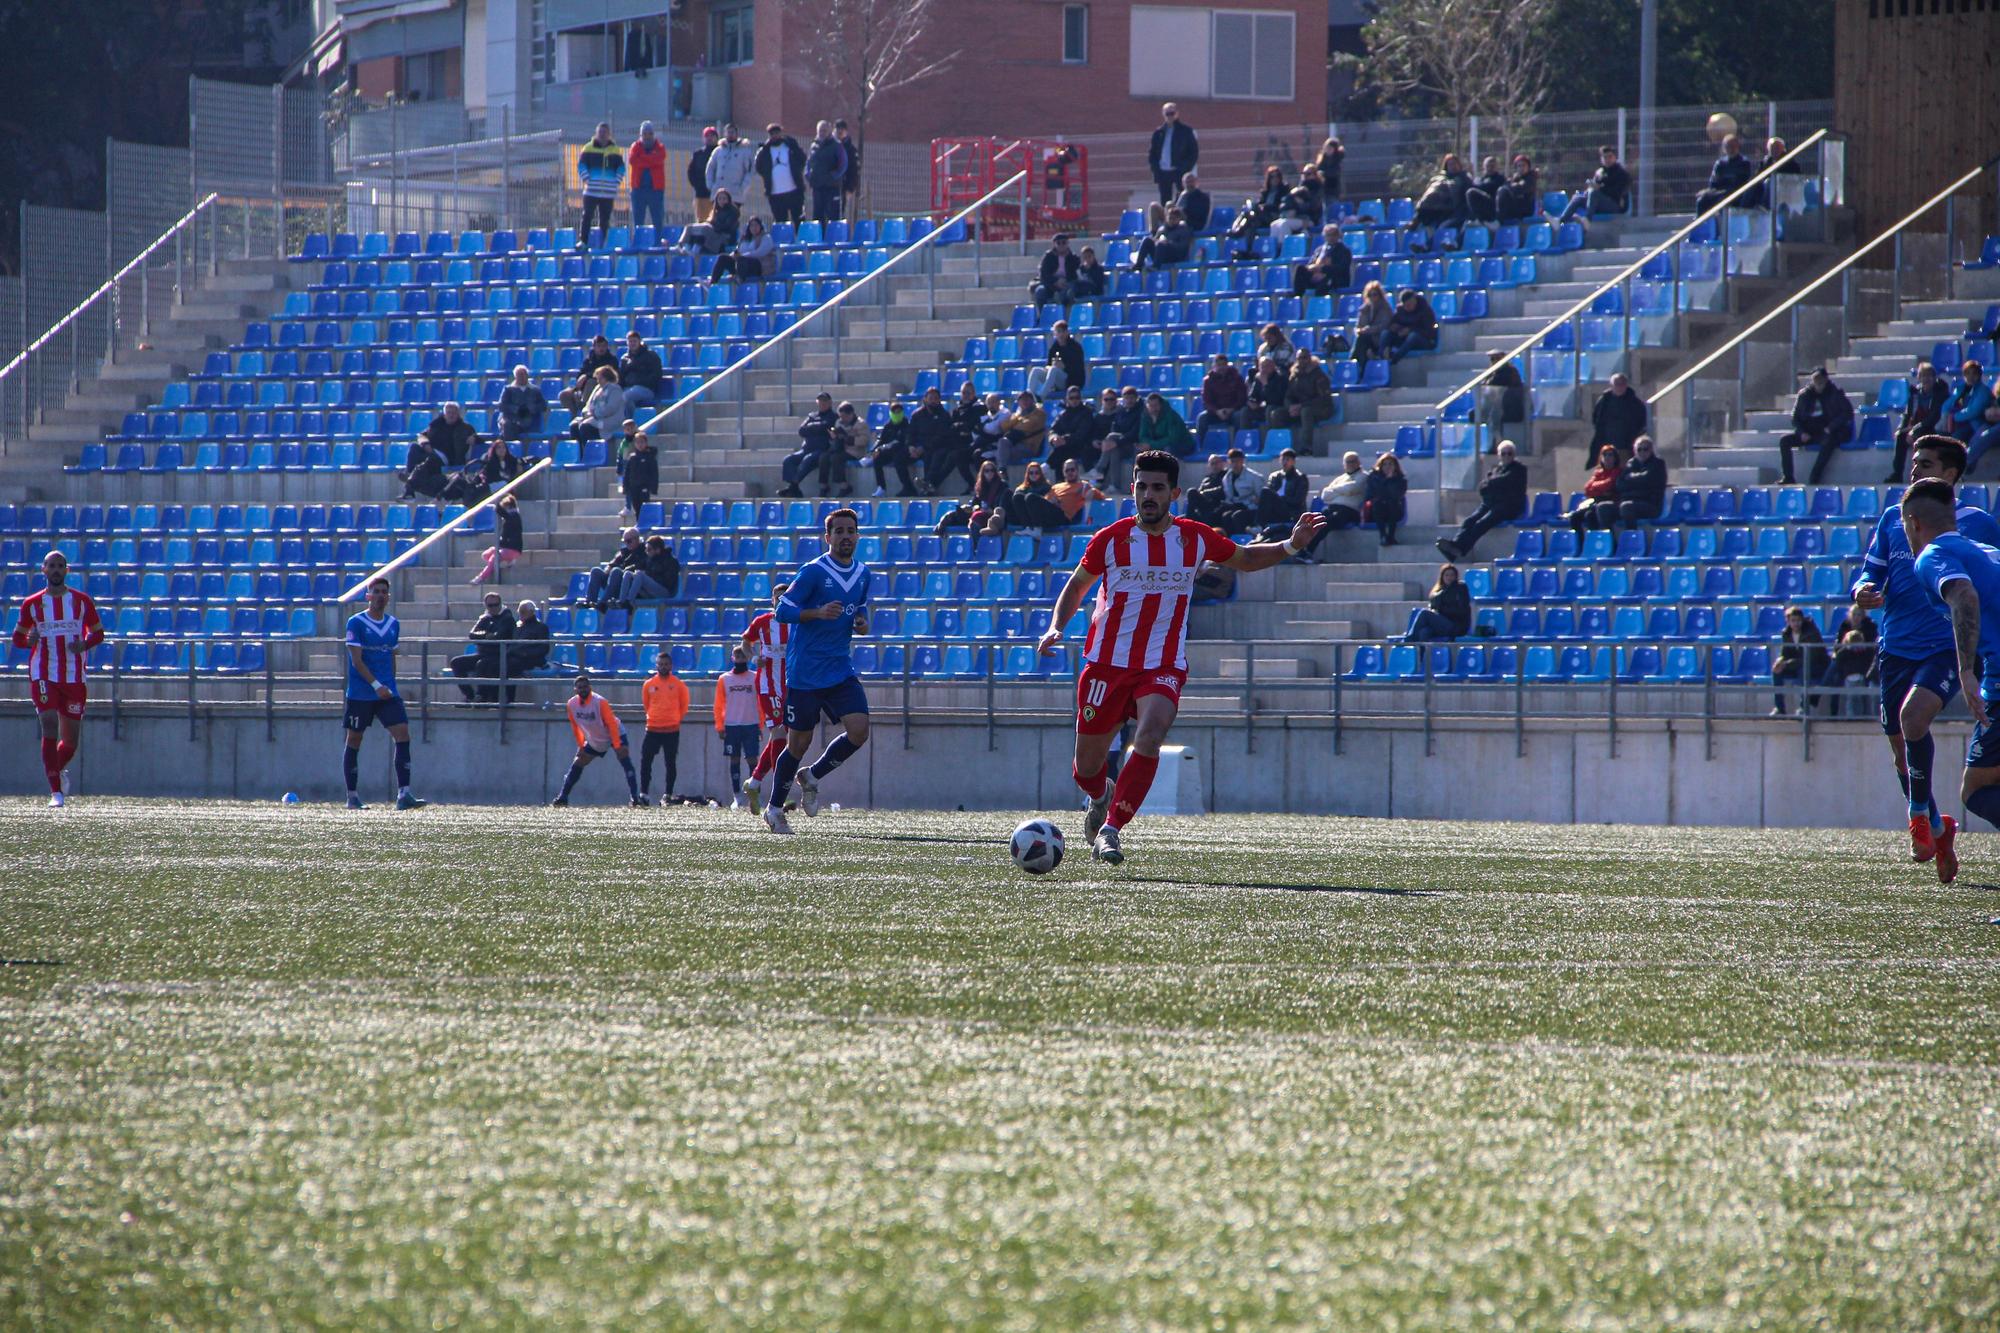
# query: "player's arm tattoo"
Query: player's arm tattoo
{"points": [[1964, 604]]}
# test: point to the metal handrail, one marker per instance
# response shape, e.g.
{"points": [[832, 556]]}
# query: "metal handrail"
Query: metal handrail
{"points": [[444, 530], [784, 336], [1785, 306], [169, 234], [1627, 272]]}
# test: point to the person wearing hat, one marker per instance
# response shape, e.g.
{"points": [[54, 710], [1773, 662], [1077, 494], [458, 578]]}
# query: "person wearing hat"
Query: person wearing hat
{"points": [[492, 628], [647, 160], [697, 173], [781, 165], [1822, 418]]}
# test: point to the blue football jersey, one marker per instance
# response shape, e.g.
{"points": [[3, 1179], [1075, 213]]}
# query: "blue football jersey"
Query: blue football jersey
{"points": [[1912, 625], [1955, 556], [377, 641], [819, 654]]}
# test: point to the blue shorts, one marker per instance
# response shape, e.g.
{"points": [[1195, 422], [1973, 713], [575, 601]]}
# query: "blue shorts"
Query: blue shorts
{"points": [[389, 712], [744, 739], [1984, 752], [804, 708], [1937, 673]]}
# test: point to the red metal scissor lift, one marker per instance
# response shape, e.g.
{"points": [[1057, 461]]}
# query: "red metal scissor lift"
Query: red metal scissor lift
{"points": [[1057, 196]]}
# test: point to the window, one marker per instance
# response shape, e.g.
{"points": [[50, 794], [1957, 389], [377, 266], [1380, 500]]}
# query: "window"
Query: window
{"points": [[730, 39], [1253, 55], [1170, 49], [1076, 34], [1225, 53]]}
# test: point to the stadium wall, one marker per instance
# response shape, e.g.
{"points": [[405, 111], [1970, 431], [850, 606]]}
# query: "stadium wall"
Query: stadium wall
{"points": [[1759, 774]]}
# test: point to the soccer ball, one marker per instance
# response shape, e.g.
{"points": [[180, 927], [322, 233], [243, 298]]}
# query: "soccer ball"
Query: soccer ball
{"points": [[1037, 846]]}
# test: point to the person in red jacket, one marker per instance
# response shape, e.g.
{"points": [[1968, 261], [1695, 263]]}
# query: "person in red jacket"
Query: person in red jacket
{"points": [[647, 161], [1602, 486]]}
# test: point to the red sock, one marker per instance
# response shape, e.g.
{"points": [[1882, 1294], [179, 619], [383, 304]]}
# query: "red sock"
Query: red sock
{"points": [[768, 757], [1135, 779], [50, 764], [1093, 786], [65, 751]]}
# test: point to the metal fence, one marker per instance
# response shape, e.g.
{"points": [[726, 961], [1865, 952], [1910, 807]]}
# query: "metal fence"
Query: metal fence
{"points": [[63, 260]]}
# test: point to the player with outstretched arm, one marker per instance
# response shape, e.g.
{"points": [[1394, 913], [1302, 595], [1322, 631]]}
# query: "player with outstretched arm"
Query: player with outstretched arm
{"points": [[826, 605], [57, 626], [1135, 658], [372, 636]]}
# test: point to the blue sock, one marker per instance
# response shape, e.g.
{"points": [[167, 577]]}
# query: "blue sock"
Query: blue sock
{"points": [[781, 777], [1986, 804], [1921, 753], [402, 765], [350, 768], [569, 781], [836, 754], [631, 774]]}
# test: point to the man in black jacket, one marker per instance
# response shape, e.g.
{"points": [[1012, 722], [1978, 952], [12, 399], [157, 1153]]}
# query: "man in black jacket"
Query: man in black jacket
{"points": [[1073, 433], [815, 438], [1057, 274], [488, 632], [1286, 492], [1617, 418], [523, 407], [1823, 419], [628, 555], [1206, 502], [850, 178], [1609, 189], [529, 650], [1503, 497], [781, 165], [826, 173], [452, 435], [1928, 395], [1637, 496], [1502, 399], [1065, 365], [697, 174], [1330, 269], [953, 444], [641, 478], [640, 374], [893, 449], [1731, 171], [423, 472], [1173, 152], [1194, 203]]}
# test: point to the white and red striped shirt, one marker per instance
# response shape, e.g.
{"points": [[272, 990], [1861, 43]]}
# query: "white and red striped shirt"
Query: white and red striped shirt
{"points": [[1146, 582], [68, 627], [769, 636]]}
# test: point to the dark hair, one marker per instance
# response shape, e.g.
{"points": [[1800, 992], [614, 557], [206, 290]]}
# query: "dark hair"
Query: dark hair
{"points": [[1949, 449], [843, 512], [1931, 491], [1158, 460], [379, 578]]}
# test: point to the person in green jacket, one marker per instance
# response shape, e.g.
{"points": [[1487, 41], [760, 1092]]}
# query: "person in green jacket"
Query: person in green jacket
{"points": [[1162, 428]]}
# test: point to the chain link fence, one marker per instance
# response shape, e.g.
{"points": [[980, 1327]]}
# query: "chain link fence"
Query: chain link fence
{"points": [[63, 260]]}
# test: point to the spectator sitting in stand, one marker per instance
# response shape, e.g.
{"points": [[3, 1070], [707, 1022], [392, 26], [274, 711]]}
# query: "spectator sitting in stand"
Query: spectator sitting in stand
{"points": [[719, 233], [1413, 327], [606, 408], [1205, 501], [1065, 365], [1258, 212], [654, 577], [1272, 344], [642, 474], [1163, 428], [1073, 434], [989, 500], [1242, 490], [1774, 149], [754, 258], [816, 437], [1730, 172], [1020, 434], [483, 475], [1442, 204], [1194, 203], [1822, 418], [1608, 191], [640, 374], [1055, 280], [1854, 657], [1029, 505], [1169, 243], [1330, 269], [951, 439], [599, 355], [1598, 490], [1387, 502], [1302, 209], [529, 650], [631, 550], [1923, 416], [1502, 399], [849, 437], [1618, 417], [781, 164], [1503, 497], [1285, 493], [1308, 396], [1341, 499], [1225, 397], [1973, 412], [1267, 391], [1073, 493], [1449, 615], [508, 544], [1801, 658], [452, 435], [523, 408], [697, 173], [1482, 199], [894, 448], [1371, 326], [1521, 197], [1092, 282], [494, 627], [423, 473]]}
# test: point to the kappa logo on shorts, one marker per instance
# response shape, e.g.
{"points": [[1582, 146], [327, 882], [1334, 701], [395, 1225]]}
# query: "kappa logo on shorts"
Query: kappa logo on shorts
{"points": [[1167, 680]]}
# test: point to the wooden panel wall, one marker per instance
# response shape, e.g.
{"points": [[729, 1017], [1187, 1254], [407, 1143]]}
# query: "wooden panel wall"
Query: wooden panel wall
{"points": [[1917, 90]]}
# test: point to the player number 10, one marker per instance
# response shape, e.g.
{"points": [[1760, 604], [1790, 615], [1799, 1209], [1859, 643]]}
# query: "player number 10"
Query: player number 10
{"points": [[1094, 696]]}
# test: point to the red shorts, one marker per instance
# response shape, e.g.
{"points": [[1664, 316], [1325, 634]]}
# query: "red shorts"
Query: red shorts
{"points": [[770, 711], [51, 697], [1107, 697]]}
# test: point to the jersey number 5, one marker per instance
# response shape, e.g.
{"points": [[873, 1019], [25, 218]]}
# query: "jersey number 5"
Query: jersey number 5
{"points": [[1094, 696]]}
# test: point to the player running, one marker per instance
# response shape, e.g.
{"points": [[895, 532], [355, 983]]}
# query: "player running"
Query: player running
{"points": [[597, 731], [1135, 659], [1918, 669], [1963, 577], [767, 638], [827, 605], [58, 626], [372, 636]]}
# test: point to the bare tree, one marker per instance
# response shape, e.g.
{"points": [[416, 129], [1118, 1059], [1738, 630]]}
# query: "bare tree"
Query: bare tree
{"points": [[1464, 58], [858, 50]]}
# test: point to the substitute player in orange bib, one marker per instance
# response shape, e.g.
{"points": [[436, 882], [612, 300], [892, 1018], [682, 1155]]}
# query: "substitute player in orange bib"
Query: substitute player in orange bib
{"points": [[58, 626], [1135, 660]]}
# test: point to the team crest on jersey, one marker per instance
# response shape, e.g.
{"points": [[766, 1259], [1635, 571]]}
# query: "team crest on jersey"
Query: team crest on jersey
{"points": [[1089, 713]]}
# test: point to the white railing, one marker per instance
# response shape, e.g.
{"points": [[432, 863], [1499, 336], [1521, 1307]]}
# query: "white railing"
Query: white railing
{"points": [[443, 533], [23, 375]]}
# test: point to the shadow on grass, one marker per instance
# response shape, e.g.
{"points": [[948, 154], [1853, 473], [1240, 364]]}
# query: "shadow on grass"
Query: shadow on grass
{"points": [[1374, 891]]}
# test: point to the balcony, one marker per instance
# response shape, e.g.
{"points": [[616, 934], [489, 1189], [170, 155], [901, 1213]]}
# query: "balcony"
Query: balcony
{"points": [[677, 94]]}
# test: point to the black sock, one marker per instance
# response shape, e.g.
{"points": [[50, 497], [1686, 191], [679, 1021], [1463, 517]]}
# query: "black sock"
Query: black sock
{"points": [[569, 781], [631, 774], [350, 767], [836, 754], [781, 777], [1902, 775], [402, 765], [1986, 804], [1921, 755], [735, 771]]}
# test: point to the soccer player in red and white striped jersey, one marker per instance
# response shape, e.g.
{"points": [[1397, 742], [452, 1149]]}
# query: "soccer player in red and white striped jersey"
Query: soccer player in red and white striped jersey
{"points": [[767, 638], [58, 626], [1135, 658]]}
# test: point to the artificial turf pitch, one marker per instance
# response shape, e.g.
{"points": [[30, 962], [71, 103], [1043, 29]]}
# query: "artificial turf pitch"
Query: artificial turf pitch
{"points": [[284, 1068]]}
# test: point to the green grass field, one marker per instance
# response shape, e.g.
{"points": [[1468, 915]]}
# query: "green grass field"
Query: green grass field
{"points": [[657, 1068]]}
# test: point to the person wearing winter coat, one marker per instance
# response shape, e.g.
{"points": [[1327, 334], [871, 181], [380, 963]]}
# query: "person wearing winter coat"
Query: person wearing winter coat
{"points": [[1449, 614], [600, 169], [1822, 419], [1386, 503], [732, 165], [1503, 497], [826, 173], [697, 172], [647, 158], [523, 408], [781, 165]]}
